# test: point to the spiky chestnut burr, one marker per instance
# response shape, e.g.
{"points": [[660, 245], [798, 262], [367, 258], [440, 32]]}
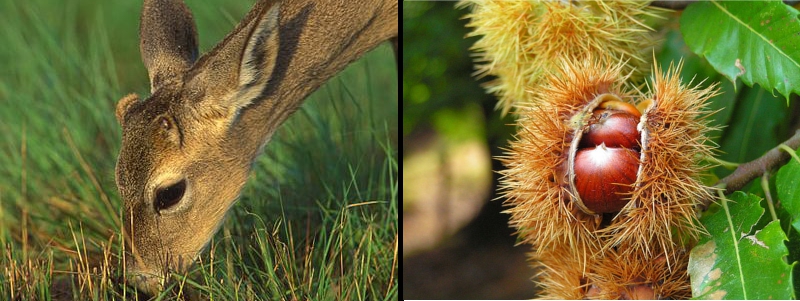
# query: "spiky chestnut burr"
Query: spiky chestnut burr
{"points": [[539, 182], [560, 273], [521, 41], [674, 142], [542, 186], [633, 276], [612, 276]]}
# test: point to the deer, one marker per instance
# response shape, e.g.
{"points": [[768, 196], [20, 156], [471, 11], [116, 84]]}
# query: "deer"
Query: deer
{"points": [[188, 148]]}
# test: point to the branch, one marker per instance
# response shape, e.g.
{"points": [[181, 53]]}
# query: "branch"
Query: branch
{"points": [[754, 169]]}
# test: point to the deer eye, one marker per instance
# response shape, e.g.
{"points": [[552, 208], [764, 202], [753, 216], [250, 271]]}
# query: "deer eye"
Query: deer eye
{"points": [[169, 196], [164, 123]]}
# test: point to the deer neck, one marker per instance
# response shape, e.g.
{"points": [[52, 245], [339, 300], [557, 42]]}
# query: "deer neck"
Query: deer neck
{"points": [[317, 40]]}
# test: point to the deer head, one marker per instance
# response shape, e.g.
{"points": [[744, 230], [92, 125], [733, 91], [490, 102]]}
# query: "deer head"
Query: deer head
{"points": [[187, 149]]}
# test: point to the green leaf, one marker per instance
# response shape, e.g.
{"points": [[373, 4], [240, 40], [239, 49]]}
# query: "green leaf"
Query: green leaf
{"points": [[794, 241], [787, 182], [736, 261], [696, 70], [761, 122], [787, 185], [755, 40]]}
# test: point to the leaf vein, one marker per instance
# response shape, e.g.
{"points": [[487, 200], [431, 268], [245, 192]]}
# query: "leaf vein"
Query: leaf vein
{"points": [[755, 32], [735, 245]]}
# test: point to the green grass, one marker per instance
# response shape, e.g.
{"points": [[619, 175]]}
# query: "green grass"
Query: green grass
{"points": [[317, 219]]}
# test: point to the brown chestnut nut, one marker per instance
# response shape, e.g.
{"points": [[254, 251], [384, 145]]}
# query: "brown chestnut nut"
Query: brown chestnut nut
{"points": [[614, 128], [603, 177], [617, 105]]}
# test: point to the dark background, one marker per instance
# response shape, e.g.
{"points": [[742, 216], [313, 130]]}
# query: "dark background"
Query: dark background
{"points": [[465, 255]]}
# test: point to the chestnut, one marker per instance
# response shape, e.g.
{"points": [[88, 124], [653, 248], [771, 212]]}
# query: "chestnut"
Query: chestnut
{"points": [[614, 128], [621, 106], [604, 177]]}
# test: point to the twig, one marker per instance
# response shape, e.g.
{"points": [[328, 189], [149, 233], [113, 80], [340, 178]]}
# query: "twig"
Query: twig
{"points": [[749, 171], [790, 151], [723, 163], [768, 195]]}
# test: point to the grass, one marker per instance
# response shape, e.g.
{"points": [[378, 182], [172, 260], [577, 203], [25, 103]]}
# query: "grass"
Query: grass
{"points": [[317, 219]]}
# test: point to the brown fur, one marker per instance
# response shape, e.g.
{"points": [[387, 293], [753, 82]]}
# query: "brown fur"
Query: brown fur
{"points": [[208, 118]]}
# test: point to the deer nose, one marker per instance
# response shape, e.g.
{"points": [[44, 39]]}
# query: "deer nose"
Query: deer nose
{"points": [[167, 196]]}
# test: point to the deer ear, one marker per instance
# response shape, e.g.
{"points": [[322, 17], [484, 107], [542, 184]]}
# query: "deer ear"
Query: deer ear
{"points": [[167, 39], [235, 73], [123, 105], [257, 62], [261, 52]]}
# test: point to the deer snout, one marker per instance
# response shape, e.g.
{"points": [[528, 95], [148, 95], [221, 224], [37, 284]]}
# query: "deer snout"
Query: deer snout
{"points": [[149, 283]]}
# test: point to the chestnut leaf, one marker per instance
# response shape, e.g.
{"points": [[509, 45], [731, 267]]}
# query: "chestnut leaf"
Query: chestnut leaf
{"points": [[736, 261], [694, 67], [787, 182], [756, 41], [787, 185], [755, 109]]}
